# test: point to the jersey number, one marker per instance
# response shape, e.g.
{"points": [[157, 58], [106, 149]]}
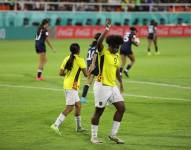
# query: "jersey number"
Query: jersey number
{"points": [[126, 38], [115, 61], [90, 55]]}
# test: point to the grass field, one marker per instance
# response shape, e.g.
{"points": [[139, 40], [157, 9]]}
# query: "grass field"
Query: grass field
{"points": [[158, 100]]}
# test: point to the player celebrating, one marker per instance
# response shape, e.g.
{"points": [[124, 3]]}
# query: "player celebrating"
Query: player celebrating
{"points": [[70, 69], [126, 50], [152, 37], [108, 91], [91, 60], [41, 37]]}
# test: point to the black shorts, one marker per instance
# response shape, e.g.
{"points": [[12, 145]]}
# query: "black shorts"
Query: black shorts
{"points": [[151, 36], [126, 52], [40, 48]]}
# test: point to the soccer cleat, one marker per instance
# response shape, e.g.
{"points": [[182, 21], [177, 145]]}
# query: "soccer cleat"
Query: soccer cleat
{"points": [[80, 129], [55, 129], [83, 100], [157, 53], [149, 54], [95, 140], [126, 74], [116, 139], [39, 78]]}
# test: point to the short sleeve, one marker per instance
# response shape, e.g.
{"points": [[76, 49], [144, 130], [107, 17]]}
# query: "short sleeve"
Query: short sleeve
{"points": [[46, 33], [81, 62]]}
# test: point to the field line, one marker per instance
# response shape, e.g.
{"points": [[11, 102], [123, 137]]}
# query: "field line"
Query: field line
{"points": [[126, 95], [126, 81], [159, 84]]}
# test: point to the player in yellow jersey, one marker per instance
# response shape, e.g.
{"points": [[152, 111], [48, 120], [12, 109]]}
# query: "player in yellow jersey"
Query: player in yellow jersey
{"points": [[108, 90], [70, 69]]}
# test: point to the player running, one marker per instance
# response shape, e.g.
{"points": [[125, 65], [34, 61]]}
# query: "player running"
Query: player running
{"points": [[152, 37], [70, 69], [126, 50], [92, 63], [107, 90], [41, 38]]}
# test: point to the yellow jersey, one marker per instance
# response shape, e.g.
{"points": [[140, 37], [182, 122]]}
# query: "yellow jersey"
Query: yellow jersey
{"points": [[108, 66], [72, 78]]}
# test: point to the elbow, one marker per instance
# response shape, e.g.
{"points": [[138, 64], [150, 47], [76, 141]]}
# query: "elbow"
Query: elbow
{"points": [[61, 74]]}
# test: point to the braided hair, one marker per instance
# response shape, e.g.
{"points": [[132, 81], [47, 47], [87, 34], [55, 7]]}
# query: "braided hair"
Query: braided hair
{"points": [[74, 49]]}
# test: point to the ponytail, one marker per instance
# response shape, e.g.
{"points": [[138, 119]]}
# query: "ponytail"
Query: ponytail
{"points": [[69, 63], [74, 49]]}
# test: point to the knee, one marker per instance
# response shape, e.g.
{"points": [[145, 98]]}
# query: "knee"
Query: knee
{"points": [[45, 60], [67, 110], [123, 63], [122, 109], [70, 109], [133, 60], [96, 115], [77, 106]]}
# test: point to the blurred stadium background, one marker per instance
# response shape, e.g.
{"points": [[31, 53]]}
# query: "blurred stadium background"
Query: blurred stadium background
{"points": [[23, 16], [157, 94]]}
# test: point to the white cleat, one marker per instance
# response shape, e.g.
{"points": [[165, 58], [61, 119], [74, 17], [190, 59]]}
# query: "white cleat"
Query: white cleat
{"points": [[55, 129], [95, 140], [157, 53], [116, 139], [80, 129], [149, 53]]}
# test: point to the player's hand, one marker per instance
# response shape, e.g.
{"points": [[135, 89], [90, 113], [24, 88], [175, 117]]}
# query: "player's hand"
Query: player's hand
{"points": [[108, 24]]}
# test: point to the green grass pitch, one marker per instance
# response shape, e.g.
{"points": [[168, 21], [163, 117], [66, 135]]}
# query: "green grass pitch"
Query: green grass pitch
{"points": [[158, 100]]}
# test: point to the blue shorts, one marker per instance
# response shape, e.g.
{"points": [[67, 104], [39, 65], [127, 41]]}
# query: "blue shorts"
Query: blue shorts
{"points": [[40, 48]]}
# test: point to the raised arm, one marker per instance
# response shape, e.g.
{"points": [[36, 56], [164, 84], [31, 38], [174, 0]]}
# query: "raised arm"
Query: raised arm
{"points": [[101, 38]]}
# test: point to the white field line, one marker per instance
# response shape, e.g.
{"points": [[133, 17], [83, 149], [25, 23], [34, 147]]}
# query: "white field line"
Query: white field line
{"points": [[126, 95], [126, 81], [159, 84]]}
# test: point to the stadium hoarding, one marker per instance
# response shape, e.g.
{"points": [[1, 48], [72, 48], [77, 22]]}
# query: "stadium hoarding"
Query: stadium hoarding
{"points": [[21, 33], [89, 31]]}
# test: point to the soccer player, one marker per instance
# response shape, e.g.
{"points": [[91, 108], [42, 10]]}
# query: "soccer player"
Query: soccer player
{"points": [[126, 50], [92, 63], [70, 69], [152, 37], [108, 91], [41, 38]]}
